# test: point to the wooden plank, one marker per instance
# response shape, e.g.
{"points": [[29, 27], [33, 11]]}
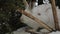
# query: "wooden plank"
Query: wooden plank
{"points": [[55, 14]]}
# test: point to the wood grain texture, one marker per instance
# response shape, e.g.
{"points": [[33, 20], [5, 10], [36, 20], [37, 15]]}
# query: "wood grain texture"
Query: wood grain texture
{"points": [[55, 14]]}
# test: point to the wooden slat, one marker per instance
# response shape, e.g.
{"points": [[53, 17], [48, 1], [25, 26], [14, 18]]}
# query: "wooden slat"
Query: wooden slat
{"points": [[55, 14]]}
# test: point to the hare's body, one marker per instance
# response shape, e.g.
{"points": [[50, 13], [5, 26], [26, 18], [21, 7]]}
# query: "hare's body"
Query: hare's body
{"points": [[42, 12]]}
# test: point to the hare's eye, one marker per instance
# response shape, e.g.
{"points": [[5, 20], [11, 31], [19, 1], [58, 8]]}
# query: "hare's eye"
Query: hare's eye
{"points": [[39, 14]]}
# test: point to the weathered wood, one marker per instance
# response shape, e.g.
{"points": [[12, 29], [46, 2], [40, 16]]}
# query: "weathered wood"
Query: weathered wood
{"points": [[55, 14], [36, 19]]}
